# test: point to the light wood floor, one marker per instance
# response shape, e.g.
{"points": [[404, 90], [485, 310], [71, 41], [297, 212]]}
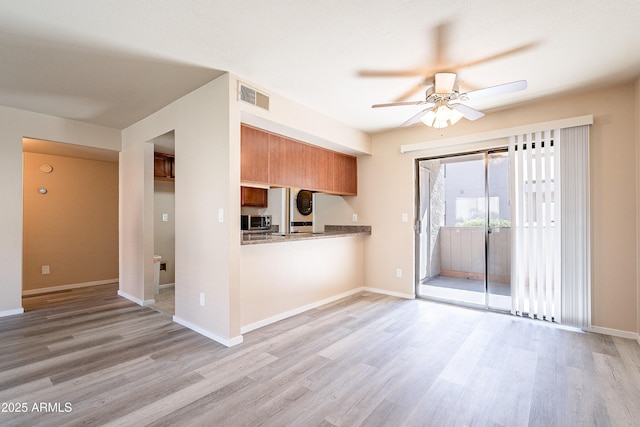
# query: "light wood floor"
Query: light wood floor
{"points": [[165, 300], [366, 360]]}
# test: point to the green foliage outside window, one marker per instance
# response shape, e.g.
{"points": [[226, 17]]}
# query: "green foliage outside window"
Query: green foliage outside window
{"points": [[479, 222]]}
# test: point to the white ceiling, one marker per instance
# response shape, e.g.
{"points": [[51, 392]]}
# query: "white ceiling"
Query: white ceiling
{"points": [[114, 62]]}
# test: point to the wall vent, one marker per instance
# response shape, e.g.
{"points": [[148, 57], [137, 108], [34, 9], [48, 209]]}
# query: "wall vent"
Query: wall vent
{"points": [[253, 97]]}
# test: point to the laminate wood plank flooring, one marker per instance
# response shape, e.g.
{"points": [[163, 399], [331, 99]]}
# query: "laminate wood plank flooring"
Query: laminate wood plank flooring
{"points": [[90, 357]]}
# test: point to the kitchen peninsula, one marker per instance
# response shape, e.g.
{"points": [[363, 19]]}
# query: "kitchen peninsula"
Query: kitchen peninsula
{"points": [[292, 260], [282, 276]]}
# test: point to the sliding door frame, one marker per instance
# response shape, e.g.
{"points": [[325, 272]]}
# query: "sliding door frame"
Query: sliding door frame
{"points": [[485, 152]]}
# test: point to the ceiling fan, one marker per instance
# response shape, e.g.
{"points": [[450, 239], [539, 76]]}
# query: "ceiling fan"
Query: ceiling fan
{"points": [[443, 101], [440, 81]]}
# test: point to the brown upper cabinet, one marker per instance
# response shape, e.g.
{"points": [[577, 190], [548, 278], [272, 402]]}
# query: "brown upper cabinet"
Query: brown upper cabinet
{"points": [[164, 166], [257, 197], [286, 163], [319, 168], [276, 160], [345, 177], [254, 155]]}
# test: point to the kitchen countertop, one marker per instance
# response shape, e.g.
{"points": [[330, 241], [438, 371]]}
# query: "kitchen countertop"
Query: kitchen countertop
{"points": [[330, 231]]}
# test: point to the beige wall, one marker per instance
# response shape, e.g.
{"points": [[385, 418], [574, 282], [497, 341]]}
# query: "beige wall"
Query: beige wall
{"points": [[164, 236], [14, 125], [74, 227], [387, 189]]}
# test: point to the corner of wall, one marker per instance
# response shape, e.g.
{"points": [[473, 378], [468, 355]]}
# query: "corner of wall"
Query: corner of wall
{"points": [[637, 138]]}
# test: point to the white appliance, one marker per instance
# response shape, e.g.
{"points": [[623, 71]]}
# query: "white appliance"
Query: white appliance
{"points": [[301, 211]]}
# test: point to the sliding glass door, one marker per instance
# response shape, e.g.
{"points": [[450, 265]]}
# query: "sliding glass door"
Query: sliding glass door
{"points": [[498, 232], [463, 232]]}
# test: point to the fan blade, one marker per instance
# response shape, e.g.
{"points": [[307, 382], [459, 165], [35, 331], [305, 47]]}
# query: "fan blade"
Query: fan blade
{"points": [[497, 90], [442, 41], [468, 112], [415, 119], [397, 104], [424, 85], [392, 73], [493, 57]]}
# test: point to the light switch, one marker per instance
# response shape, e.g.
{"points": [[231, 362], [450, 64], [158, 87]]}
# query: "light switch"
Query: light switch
{"points": [[355, 217], [220, 215], [165, 217], [405, 217]]}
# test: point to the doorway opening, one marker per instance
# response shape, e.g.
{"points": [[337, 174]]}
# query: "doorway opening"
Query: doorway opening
{"points": [[164, 222], [70, 223], [463, 240]]}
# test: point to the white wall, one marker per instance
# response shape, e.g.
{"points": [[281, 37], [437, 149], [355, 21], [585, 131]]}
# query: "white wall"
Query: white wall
{"points": [[14, 125], [637, 83], [203, 250]]}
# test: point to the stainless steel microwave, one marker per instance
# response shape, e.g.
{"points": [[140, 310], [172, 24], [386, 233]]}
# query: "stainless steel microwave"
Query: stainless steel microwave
{"points": [[255, 222]]}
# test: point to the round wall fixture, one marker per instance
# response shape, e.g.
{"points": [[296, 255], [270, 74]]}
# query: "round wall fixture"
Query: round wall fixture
{"points": [[42, 190], [304, 202], [46, 168]]}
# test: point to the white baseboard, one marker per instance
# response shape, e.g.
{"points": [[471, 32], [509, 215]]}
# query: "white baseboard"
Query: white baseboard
{"points": [[224, 341], [11, 312], [166, 285], [614, 333], [295, 311], [390, 293], [135, 299], [66, 287]]}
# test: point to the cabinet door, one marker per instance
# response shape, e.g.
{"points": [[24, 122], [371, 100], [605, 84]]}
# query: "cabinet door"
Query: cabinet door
{"points": [[318, 168], [345, 174], [258, 197], [287, 166], [254, 155], [162, 166]]}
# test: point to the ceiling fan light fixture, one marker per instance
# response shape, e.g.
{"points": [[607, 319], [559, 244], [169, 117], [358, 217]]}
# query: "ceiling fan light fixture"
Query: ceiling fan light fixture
{"points": [[428, 118], [439, 124], [444, 83], [441, 116], [455, 116], [443, 113]]}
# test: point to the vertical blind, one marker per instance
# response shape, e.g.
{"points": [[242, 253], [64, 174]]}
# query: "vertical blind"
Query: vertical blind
{"points": [[535, 212], [550, 219], [576, 265]]}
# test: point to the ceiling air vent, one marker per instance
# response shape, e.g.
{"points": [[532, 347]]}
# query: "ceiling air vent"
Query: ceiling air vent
{"points": [[253, 97]]}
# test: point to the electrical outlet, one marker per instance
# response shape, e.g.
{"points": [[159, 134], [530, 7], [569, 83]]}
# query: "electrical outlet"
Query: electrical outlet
{"points": [[355, 217], [398, 272], [202, 299], [165, 217], [45, 269], [405, 217]]}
